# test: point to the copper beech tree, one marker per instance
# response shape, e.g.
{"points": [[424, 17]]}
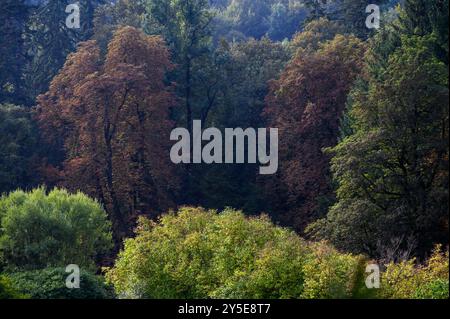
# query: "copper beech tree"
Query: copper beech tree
{"points": [[306, 104], [109, 119]]}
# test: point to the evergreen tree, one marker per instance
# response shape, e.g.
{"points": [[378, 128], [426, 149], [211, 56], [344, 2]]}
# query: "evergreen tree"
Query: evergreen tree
{"points": [[394, 169], [50, 40], [13, 16]]}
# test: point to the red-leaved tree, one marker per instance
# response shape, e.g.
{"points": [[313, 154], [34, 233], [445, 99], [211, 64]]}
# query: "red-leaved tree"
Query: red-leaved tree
{"points": [[306, 105], [109, 119]]}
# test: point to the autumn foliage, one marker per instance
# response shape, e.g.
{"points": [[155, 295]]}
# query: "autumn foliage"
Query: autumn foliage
{"points": [[109, 116], [306, 104]]}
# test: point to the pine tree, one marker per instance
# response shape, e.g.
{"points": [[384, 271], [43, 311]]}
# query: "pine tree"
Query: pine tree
{"points": [[50, 40], [13, 16]]}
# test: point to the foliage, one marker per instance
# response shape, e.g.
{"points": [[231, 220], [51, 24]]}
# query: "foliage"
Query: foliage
{"points": [[305, 104], [40, 230], [50, 40], [316, 33], [114, 127], [437, 289], [18, 148], [407, 280], [113, 15], [50, 283], [7, 290], [202, 254], [332, 275], [241, 77], [13, 17], [394, 169]]}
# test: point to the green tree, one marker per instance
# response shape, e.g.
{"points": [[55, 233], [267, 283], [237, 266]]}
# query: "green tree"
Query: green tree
{"points": [[394, 169], [18, 148], [50, 40], [202, 254], [185, 25], [241, 75], [13, 17], [58, 229], [50, 283], [285, 20], [250, 17]]}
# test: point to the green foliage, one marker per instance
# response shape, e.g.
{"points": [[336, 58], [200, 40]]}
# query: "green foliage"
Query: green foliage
{"points": [[285, 20], [18, 148], [332, 275], [13, 17], [49, 40], [40, 230], [50, 283], [407, 280], [437, 289], [394, 168], [315, 33], [202, 254], [7, 289]]}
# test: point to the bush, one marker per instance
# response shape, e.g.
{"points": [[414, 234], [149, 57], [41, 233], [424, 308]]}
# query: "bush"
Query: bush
{"points": [[7, 290], [202, 254], [40, 230], [332, 275], [437, 289], [50, 283], [407, 280]]}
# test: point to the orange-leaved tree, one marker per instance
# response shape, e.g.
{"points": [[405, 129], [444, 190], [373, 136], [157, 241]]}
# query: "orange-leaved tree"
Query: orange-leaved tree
{"points": [[306, 105], [108, 118]]}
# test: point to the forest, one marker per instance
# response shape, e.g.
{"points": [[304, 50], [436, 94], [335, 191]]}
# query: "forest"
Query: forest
{"points": [[90, 91]]}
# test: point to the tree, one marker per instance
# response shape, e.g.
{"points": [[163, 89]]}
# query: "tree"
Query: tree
{"points": [[13, 16], [111, 123], [50, 40], [352, 15], [240, 77], [50, 283], [58, 229], [306, 104], [109, 17], [250, 17], [185, 24], [202, 254], [285, 20], [18, 148], [393, 167], [315, 33], [317, 8], [393, 170]]}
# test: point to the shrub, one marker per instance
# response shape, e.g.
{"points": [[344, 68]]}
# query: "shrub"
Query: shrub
{"points": [[437, 289], [407, 280], [40, 230], [332, 275], [7, 290], [50, 283], [202, 254]]}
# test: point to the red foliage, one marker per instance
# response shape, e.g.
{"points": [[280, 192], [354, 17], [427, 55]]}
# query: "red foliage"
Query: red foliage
{"points": [[306, 105], [112, 120]]}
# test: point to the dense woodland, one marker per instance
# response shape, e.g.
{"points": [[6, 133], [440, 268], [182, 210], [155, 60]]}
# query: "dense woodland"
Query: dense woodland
{"points": [[86, 176]]}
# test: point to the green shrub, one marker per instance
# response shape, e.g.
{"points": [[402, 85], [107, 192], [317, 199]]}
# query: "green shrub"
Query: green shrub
{"points": [[332, 275], [437, 289], [407, 280], [50, 283], [202, 254], [7, 290], [40, 230]]}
